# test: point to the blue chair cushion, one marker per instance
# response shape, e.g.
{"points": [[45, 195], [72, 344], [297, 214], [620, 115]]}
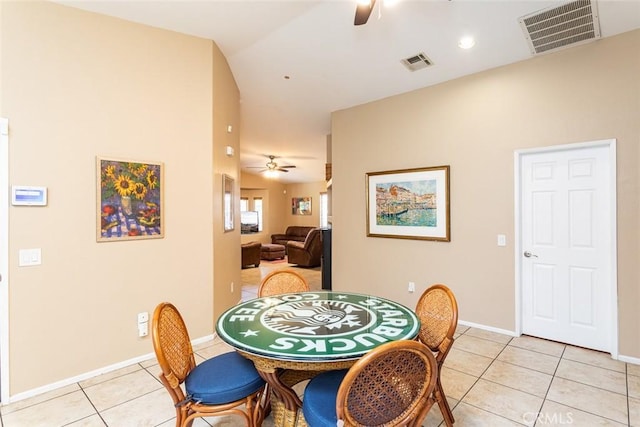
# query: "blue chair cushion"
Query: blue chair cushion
{"points": [[319, 401], [223, 379]]}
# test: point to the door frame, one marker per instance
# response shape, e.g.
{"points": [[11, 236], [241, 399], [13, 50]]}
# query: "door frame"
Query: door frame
{"points": [[4, 260], [612, 228]]}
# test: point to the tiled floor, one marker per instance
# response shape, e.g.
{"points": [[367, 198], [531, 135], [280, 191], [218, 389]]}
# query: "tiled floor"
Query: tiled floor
{"points": [[490, 380]]}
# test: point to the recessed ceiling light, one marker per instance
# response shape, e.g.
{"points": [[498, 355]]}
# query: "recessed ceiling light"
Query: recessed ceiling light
{"points": [[466, 42]]}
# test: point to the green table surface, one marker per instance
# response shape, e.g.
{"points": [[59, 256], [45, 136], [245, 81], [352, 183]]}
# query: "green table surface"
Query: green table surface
{"points": [[316, 326]]}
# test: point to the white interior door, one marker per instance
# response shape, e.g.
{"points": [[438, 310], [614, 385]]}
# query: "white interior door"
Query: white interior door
{"points": [[567, 245]]}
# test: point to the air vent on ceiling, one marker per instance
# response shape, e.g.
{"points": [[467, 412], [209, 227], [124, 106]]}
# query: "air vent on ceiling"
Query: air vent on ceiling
{"points": [[562, 26], [417, 62]]}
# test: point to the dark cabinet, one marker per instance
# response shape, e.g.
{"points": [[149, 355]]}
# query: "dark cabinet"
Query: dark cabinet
{"points": [[326, 258]]}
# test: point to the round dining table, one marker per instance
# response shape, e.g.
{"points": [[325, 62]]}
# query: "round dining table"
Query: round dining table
{"points": [[292, 337]]}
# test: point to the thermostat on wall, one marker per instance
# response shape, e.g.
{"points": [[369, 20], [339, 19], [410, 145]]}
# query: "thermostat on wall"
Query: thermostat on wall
{"points": [[28, 196]]}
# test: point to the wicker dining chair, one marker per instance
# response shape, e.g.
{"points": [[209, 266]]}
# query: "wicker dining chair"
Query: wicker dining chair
{"points": [[218, 386], [437, 310], [282, 282], [392, 385]]}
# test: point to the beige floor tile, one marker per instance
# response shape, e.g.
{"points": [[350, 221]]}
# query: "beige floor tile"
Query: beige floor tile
{"points": [[466, 362], [507, 402], [148, 410], [478, 346], [551, 348], [21, 404], [470, 416], [592, 375], [633, 383], [520, 378], [529, 359], [633, 369], [434, 416], [634, 412], [461, 329], [146, 364], [595, 358], [197, 423], [455, 383], [92, 421], [489, 335], [589, 399], [55, 412], [110, 375], [555, 414], [116, 391], [215, 350]]}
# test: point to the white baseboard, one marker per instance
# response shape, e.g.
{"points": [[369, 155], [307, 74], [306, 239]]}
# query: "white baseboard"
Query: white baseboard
{"points": [[487, 328], [82, 377], [629, 359]]}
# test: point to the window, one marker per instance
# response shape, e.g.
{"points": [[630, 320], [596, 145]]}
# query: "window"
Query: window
{"points": [[257, 206], [244, 204], [324, 210]]}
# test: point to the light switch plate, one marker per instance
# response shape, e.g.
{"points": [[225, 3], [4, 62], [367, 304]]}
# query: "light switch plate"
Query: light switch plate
{"points": [[502, 240], [29, 257]]}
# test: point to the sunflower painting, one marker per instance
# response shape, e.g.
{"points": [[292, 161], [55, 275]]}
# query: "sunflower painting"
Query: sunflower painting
{"points": [[129, 200]]}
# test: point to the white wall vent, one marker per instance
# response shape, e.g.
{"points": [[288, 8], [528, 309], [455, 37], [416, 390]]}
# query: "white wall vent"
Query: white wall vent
{"points": [[563, 26], [417, 62]]}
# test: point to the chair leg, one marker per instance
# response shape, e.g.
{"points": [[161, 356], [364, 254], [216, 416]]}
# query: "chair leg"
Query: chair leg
{"points": [[443, 404]]}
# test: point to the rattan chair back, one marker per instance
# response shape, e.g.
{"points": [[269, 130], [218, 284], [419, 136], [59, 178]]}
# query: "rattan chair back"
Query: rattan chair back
{"points": [[282, 282], [437, 310], [172, 344], [389, 386]]}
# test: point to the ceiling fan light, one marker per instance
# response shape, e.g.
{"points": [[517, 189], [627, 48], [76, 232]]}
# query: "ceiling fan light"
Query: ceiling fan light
{"points": [[271, 173]]}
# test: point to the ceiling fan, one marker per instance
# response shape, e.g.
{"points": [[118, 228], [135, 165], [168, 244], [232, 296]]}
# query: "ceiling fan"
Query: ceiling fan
{"points": [[363, 11], [272, 166]]}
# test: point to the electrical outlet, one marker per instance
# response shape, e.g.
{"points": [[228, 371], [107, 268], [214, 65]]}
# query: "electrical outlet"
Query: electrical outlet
{"points": [[412, 287], [143, 317], [143, 329]]}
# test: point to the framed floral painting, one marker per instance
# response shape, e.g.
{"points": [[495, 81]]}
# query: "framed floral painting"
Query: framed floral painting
{"points": [[130, 202]]}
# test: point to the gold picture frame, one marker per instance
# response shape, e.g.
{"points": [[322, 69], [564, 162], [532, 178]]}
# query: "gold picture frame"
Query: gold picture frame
{"points": [[130, 202], [409, 204]]}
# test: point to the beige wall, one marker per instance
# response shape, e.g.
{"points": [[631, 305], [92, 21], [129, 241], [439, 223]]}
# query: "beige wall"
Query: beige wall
{"points": [[226, 112], [75, 85], [474, 124]]}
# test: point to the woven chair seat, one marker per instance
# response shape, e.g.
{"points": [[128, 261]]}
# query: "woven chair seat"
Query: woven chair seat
{"points": [[226, 388]]}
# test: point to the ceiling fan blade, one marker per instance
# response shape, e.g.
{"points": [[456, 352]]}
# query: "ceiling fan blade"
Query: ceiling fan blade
{"points": [[288, 166], [281, 170], [363, 11]]}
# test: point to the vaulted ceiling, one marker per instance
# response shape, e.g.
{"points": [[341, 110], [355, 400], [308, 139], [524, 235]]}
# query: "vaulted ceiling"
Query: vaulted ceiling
{"points": [[296, 61]]}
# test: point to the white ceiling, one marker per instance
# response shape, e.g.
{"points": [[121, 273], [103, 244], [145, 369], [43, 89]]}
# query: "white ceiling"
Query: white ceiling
{"points": [[333, 64]]}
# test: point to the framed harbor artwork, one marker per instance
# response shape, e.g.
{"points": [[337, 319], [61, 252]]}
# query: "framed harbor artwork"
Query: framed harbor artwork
{"points": [[130, 201], [409, 204]]}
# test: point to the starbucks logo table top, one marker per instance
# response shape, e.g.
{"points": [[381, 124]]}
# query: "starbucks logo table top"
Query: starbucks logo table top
{"points": [[316, 326]]}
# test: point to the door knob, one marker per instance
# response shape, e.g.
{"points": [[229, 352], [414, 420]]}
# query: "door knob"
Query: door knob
{"points": [[528, 254]]}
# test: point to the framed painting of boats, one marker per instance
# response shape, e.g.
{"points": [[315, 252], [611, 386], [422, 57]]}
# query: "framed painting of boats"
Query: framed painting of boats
{"points": [[409, 204]]}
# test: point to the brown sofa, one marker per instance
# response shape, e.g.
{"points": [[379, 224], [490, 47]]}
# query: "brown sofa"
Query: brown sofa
{"points": [[251, 254], [307, 253], [297, 233]]}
